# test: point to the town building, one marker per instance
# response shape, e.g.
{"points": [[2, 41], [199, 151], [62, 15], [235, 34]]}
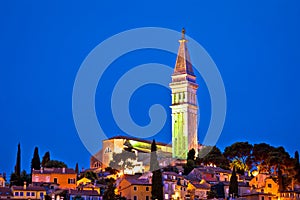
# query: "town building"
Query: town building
{"points": [[2, 181], [131, 187], [28, 192], [64, 177]]}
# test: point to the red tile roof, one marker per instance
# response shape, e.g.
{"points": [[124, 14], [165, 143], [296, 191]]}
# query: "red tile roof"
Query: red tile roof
{"points": [[29, 188], [54, 171]]}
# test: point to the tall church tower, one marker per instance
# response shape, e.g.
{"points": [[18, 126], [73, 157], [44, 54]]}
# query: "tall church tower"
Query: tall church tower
{"points": [[184, 104]]}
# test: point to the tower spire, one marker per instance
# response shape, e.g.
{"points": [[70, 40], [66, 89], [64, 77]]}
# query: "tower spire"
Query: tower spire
{"points": [[183, 62]]}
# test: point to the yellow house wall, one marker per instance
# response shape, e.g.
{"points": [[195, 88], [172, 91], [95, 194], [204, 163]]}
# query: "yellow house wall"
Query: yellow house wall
{"points": [[37, 194]]}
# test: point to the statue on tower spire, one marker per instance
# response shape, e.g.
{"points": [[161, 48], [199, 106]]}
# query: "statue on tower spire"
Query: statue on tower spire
{"points": [[183, 33]]}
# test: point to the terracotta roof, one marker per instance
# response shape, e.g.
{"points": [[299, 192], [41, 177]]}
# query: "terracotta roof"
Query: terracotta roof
{"points": [[54, 171], [29, 188], [5, 191], [84, 192], [136, 181], [201, 186]]}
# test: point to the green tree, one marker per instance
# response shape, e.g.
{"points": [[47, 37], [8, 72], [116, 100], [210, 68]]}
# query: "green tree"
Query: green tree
{"points": [[90, 175], [36, 162], [18, 163], [14, 180], [154, 165], [157, 187], [212, 194], [260, 155], [109, 193], [77, 169], [214, 157], [239, 154], [233, 185], [190, 164], [191, 154], [297, 167], [46, 158], [55, 164]]}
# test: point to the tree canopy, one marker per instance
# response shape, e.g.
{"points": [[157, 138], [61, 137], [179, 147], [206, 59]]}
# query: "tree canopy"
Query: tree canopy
{"points": [[55, 164], [239, 154]]}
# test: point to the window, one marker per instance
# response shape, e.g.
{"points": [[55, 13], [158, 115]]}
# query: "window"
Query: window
{"points": [[269, 185], [166, 196], [32, 194], [147, 188], [134, 188], [41, 194], [71, 181], [134, 197], [147, 197], [28, 194], [262, 198], [21, 194], [16, 193], [55, 180]]}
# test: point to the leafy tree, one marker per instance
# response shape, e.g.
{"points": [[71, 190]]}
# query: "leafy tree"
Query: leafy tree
{"points": [[25, 178], [297, 167], [157, 188], [233, 185], [90, 175], [46, 158], [111, 170], [260, 155], [35, 162], [212, 194], [280, 180], [278, 156], [239, 154], [190, 164], [55, 164], [122, 160], [215, 157], [109, 193], [14, 180], [191, 154]]}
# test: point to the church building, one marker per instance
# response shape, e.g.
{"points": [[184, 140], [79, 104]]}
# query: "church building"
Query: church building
{"points": [[184, 120]]}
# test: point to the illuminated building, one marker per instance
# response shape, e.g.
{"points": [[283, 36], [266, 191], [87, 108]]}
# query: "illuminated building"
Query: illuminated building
{"points": [[184, 104]]}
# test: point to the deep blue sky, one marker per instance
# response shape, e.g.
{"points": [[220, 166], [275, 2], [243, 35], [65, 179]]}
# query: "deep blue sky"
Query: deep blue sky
{"points": [[255, 45]]}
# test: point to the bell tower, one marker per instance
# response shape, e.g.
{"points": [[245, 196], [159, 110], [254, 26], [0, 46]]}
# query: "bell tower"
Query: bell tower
{"points": [[184, 104]]}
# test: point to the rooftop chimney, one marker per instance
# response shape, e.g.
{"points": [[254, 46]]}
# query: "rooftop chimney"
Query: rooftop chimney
{"points": [[63, 170], [24, 185]]}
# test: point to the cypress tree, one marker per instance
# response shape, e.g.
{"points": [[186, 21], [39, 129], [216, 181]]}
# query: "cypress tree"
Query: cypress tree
{"points": [[157, 188], [46, 158], [77, 169], [36, 162], [233, 185], [153, 157], [18, 163]]}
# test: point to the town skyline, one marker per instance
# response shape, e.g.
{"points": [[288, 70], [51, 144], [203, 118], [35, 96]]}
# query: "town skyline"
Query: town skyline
{"points": [[40, 73]]}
